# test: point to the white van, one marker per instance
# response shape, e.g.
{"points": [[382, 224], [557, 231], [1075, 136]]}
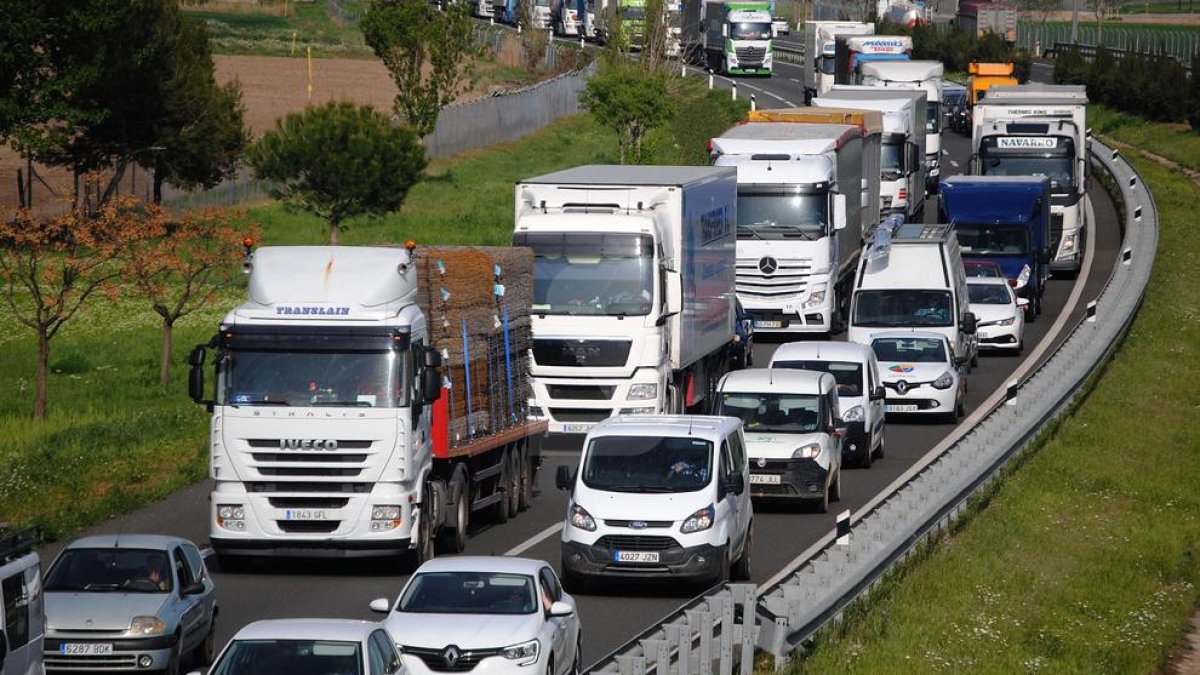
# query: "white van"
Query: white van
{"points": [[793, 432], [22, 630], [659, 497], [860, 391]]}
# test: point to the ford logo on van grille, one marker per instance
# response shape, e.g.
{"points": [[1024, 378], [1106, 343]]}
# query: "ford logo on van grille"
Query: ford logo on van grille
{"points": [[768, 265], [638, 524]]}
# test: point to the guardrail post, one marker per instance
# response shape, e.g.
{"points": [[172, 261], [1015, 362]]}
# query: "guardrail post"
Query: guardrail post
{"points": [[1091, 311], [1127, 254], [753, 102], [710, 79], [733, 90], [1010, 394], [706, 640], [843, 528]]}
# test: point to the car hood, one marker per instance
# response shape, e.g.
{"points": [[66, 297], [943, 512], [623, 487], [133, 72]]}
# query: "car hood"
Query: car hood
{"points": [[673, 506], [466, 631], [775, 445], [992, 312], [893, 371], [99, 611]]}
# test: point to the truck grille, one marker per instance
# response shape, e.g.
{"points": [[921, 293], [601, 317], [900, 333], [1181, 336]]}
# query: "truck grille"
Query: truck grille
{"points": [[308, 502], [750, 56], [308, 526], [581, 353], [273, 459], [582, 392], [790, 277], [632, 542], [1056, 233], [580, 414]]}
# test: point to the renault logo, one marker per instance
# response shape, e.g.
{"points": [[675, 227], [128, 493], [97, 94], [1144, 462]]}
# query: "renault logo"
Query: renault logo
{"points": [[902, 387], [451, 656], [768, 265]]}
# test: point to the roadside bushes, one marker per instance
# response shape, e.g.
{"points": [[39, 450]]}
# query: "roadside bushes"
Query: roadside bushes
{"points": [[1149, 85], [957, 48]]}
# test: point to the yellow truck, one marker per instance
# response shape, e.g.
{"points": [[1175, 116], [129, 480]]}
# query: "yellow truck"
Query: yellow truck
{"points": [[984, 76]]}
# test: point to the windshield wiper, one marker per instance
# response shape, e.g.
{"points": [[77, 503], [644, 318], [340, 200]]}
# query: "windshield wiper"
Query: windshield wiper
{"points": [[262, 403], [345, 404], [750, 230]]}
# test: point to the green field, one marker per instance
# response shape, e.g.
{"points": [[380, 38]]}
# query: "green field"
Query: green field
{"points": [[1086, 558], [267, 32], [1188, 7]]}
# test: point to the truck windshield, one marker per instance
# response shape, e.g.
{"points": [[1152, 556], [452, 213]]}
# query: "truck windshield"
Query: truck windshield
{"points": [[648, 464], [746, 30], [848, 374], [933, 117], [590, 273], [781, 215], [891, 161], [312, 378], [773, 413], [987, 241], [1057, 164], [902, 308]]}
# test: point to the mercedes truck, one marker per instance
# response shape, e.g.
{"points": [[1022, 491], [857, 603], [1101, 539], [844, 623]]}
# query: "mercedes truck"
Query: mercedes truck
{"points": [[732, 38]]}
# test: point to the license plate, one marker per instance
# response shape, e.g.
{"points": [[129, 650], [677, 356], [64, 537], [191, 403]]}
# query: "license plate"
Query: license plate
{"points": [[635, 556], [307, 514], [768, 324], [82, 649], [765, 479], [900, 408], [577, 428]]}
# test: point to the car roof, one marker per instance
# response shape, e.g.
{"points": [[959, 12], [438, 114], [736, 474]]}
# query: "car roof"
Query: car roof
{"points": [[345, 630], [147, 541], [484, 563], [666, 425], [827, 350], [792, 379]]}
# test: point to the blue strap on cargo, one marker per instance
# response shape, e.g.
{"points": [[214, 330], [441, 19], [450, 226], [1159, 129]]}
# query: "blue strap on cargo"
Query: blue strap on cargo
{"points": [[467, 376], [512, 409]]}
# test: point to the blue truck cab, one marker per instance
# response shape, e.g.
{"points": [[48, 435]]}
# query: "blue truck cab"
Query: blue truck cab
{"points": [[1005, 220]]}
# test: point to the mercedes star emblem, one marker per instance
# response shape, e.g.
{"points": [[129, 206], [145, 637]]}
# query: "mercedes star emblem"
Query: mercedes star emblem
{"points": [[768, 265], [902, 387], [451, 655], [762, 462]]}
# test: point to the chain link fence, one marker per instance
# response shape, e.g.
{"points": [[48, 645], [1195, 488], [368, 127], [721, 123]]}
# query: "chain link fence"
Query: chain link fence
{"points": [[1181, 44]]}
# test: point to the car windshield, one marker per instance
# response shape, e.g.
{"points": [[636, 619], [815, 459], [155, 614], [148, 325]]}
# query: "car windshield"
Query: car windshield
{"points": [[469, 593], [902, 307], [778, 413], [747, 30], [107, 570], [779, 215], [847, 374], [988, 294], [312, 378], [290, 657], [891, 162], [909, 350], [988, 241], [648, 464], [591, 274]]}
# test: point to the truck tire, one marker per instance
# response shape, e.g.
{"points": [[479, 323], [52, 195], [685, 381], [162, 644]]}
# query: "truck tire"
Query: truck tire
{"points": [[500, 508], [454, 539], [526, 496], [513, 488], [424, 551]]}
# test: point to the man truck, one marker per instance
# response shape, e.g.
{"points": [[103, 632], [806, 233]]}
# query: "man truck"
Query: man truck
{"points": [[732, 38], [1040, 130], [926, 76], [820, 42], [802, 212], [368, 400], [633, 298]]}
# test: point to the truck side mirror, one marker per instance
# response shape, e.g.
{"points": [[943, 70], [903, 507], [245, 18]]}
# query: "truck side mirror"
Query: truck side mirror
{"points": [[196, 374], [563, 478], [725, 30], [431, 385], [968, 324], [839, 212], [674, 292], [432, 358]]}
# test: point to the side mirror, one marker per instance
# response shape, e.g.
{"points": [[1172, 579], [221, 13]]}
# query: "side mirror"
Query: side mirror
{"points": [[725, 30], [560, 608], [563, 478], [878, 394], [674, 292], [960, 361], [1022, 302], [968, 323], [735, 483], [431, 385], [196, 357], [839, 212], [432, 357], [380, 605], [194, 589]]}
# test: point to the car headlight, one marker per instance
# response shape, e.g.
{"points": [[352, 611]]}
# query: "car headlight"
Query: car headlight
{"points": [[146, 626], [526, 652], [810, 451], [699, 521], [1023, 277], [816, 297], [944, 381], [854, 414], [582, 519], [643, 391]]}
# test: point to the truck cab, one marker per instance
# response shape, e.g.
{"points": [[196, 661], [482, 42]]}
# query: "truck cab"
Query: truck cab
{"points": [[853, 51]]}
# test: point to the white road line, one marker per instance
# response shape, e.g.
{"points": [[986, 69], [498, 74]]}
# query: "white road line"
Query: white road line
{"points": [[535, 540], [207, 553], [954, 164], [968, 423], [793, 79]]}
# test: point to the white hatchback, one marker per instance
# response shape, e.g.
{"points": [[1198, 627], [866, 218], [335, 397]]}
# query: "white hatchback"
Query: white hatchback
{"points": [[920, 374], [999, 313], [291, 646]]}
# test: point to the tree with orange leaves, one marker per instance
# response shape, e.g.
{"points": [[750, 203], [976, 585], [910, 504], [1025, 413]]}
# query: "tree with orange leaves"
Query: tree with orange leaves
{"points": [[180, 266], [51, 267]]}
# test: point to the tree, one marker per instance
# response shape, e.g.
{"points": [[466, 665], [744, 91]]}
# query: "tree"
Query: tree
{"points": [[180, 266], [52, 267], [428, 51], [339, 160], [630, 102]]}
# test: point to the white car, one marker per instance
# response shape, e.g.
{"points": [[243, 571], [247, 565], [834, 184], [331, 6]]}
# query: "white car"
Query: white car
{"points": [[293, 646], [659, 497], [920, 374], [485, 614], [860, 393], [999, 313]]}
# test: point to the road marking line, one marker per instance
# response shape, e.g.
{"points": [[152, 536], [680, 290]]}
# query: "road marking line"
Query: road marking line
{"points": [[534, 540], [968, 423], [792, 79], [954, 164], [207, 552]]}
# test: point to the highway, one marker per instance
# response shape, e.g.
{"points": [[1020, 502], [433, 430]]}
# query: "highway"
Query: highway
{"points": [[614, 615]]}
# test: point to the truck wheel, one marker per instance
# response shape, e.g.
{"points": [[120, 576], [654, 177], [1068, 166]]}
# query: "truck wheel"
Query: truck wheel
{"points": [[526, 495], [424, 552], [835, 490], [175, 660], [500, 508], [513, 487], [454, 539]]}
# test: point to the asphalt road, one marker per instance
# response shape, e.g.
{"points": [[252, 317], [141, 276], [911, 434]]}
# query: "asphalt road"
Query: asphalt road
{"points": [[611, 616]]}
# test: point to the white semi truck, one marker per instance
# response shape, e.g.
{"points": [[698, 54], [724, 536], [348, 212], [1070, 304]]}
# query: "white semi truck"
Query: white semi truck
{"points": [[801, 216], [730, 37], [365, 403], [1040, 130], [633, 301], [926, 76], [902, 155], [820, 48]]}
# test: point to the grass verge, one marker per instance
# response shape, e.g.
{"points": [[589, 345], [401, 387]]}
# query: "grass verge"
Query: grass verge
{"points": [[269, 31], [1176, 142], [1085, 560]]}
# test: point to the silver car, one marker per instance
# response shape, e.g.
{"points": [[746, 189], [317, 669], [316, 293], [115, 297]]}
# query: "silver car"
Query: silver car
{"points": [[129, 602], [299, 646]]}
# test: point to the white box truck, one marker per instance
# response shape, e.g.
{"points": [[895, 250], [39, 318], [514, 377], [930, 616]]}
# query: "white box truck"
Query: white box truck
{"points": [[820, 48], [1040, 130], [800, 218], [926, 76], [368, 400], [633, 301], [902, 153], [911, 277]]}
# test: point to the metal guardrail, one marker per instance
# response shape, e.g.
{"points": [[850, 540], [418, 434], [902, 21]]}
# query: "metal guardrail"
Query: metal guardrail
{"points": [[789, 52], [925, 499]]}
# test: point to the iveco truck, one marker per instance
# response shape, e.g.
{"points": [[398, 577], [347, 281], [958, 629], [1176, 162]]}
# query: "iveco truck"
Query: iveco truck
{"points": [[1040, 130], [926, 76], [732, 38], [368, 400], [633, 299], [800, 215], [820, 49]]}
